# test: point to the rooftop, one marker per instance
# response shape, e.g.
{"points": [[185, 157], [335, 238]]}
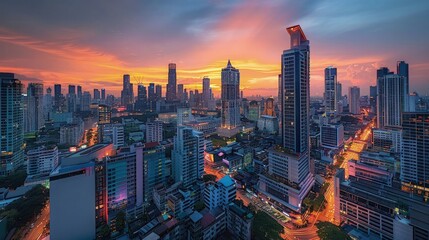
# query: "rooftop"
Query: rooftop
{"points": [[226, 181], [196, 216]]}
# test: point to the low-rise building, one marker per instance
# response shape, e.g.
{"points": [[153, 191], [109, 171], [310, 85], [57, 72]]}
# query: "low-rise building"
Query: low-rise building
{"points": [[219, 194], [239, 221]]}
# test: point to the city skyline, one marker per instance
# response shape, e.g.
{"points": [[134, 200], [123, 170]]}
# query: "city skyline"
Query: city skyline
{"points": [[107, 41]]}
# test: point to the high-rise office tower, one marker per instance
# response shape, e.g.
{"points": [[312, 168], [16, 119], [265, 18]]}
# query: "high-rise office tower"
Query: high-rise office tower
{"points": [[71, 99], [206, 92], [288, 179], [103, 94], [402, 70], [79, 98], [180, 92], [353, 97], [72, 89], [330, 89], [380, 94], [188, 156], [151, 97], [96, 94], [339, 91], [11, 123], [172, 82], [47, 103], [86, 101], [158, 91], [79, 91], [373, 98], [230, 96], [415, 154], [127, 93], [141, 103], [33, 113], [392, 100]]}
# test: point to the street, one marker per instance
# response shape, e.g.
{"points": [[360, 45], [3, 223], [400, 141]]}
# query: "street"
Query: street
{"points": [[38, 231]]}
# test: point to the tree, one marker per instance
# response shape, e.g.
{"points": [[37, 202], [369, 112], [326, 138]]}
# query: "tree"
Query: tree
{"points": [[120, 221], [199, 206], [13, 180], [103, 231]]}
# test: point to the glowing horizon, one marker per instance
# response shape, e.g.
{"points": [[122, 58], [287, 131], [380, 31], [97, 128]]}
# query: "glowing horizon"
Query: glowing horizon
{"points": [[106, 41]]}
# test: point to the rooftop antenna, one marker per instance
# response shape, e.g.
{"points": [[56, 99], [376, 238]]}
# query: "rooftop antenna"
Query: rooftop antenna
{"points": [[138, 79]]}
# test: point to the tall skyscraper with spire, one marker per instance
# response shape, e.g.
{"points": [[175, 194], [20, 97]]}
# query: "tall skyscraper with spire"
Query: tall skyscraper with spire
{"points": [[172, 83], [230, 96], [288, 179]]}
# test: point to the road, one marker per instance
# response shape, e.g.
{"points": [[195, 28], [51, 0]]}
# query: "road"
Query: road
{"points": [[358, 145], [38, 231]]}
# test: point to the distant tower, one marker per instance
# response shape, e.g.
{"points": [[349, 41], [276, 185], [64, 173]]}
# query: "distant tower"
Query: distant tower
{"points": [[141, 103], [354, 96], [206, 92], [230, 95], [330, 89], [402, 70], [34, 119], [172, 82], [127, 93], [103, 94]]}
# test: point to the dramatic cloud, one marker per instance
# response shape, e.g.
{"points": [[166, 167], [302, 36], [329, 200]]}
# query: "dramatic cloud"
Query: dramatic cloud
{"points": [[93, 43]]}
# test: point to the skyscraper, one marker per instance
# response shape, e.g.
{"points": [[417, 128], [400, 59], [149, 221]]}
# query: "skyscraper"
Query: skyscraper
{"points": [[188, 156], [230, 96], [415, 156], [392, 100], [11, 123], [172, 82], [96, 94], [373, 98], [288, 179], [180, 92], [34, 119], [158, 91], [151, 97], [402, 70], [339, 91], [330, 89], [206, 92], [58, 98], [71, 99], [103, 94], [72, 89], [141, 103], [354, 104], [127, 93]]}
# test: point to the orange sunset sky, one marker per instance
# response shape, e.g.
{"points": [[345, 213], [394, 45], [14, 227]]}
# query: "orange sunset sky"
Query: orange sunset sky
{"points": [[93, 43]]}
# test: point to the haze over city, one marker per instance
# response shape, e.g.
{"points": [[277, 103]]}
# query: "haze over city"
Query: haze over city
{"points": [[95, 43]]}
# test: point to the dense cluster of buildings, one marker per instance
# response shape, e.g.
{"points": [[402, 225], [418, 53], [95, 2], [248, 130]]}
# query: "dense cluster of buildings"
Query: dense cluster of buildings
{"points": [[105, 168]]}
